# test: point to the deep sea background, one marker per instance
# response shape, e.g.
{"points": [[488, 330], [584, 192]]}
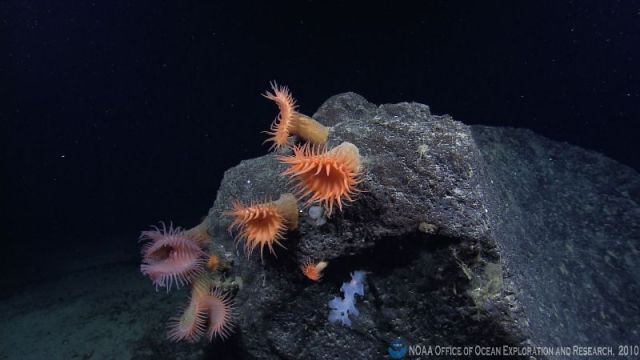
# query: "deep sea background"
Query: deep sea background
{"points": [[117, 114]]}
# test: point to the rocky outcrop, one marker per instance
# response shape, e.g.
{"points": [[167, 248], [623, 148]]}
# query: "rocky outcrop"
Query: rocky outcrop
{"points": [[468, 235]]}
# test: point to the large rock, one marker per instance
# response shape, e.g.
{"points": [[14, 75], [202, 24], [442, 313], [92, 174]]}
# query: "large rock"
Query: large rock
{"points": [[567, 224], [469, 235]]}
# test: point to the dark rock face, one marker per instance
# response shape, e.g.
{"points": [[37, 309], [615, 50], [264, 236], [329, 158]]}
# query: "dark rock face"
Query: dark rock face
{"points": [[447, 213], [567, 222]]}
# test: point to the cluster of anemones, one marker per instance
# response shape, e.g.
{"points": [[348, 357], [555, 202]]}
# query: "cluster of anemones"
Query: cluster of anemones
{"points": [[326, 177], [176, 257], [323, 176]]}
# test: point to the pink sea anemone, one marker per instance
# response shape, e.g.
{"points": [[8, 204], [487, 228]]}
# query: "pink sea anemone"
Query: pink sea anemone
{"points": [[170, 257], [210, 310], [219, 308], [190, 325]]}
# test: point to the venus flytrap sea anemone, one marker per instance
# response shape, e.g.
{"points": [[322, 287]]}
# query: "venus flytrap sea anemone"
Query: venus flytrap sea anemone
{"points": [[287, 206], [289, 122], [170, 257], [213, 263], [209, 310], [219, 308], [264, 224], [329, 178], [313, 271], [190, 325]]}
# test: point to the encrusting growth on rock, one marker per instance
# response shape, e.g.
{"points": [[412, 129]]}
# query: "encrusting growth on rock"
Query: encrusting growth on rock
{"points": [[290, 122], [326, 177], [264, 224]]}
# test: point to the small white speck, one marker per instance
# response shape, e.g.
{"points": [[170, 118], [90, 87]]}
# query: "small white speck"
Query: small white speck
{"points": [[248, 181], [62, 156]]}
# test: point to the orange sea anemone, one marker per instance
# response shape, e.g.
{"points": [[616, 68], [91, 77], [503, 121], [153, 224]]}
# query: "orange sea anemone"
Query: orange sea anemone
{"points": [[290, 122], [170, 257], [326, 177], [313, 271], [206, 305], [264, 224], [213, 263]]}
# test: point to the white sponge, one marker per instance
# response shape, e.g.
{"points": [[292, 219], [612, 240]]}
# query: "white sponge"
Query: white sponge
{"points": [[341, 308]]}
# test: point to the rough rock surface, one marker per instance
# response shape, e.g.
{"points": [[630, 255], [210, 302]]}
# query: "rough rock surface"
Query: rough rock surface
{"points": [[469, 235], [567, 222]]}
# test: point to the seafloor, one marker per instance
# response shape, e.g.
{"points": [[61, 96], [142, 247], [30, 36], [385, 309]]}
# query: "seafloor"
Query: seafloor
{"points": [[103, 312]]}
